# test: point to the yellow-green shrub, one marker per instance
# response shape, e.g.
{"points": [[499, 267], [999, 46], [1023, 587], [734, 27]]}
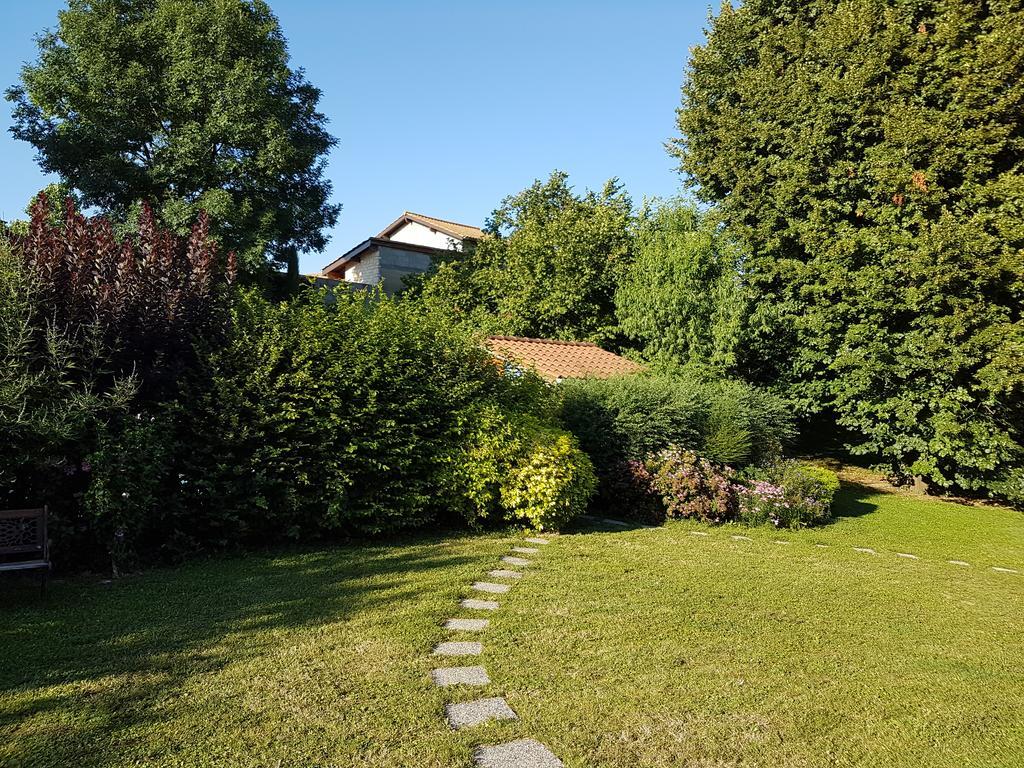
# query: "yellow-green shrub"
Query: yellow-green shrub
{"points": [[511, 466]]}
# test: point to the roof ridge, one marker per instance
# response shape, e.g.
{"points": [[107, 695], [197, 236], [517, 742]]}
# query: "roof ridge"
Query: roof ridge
{"points": [[544, 341], [443, 221]]}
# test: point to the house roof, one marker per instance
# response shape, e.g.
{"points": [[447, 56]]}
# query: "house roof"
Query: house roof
{"points": [[450, 228], [554, 359]]}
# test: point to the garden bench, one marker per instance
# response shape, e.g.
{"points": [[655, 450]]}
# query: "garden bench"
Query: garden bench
{"points": [[24, 545]]}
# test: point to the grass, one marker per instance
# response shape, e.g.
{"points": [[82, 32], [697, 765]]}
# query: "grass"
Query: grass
{"points": [[647, 647]]}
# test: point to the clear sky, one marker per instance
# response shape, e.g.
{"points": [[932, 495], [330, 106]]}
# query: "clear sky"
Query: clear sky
{"points": [[444, 108]]}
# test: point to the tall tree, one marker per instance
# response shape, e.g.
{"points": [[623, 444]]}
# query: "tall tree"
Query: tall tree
{"points": [[870, 155], [681, 300], [548, 267], [190, 105]]}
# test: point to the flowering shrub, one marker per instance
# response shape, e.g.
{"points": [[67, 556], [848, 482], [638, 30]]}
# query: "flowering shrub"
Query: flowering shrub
{"points": [[788, 495], [692, 487]]}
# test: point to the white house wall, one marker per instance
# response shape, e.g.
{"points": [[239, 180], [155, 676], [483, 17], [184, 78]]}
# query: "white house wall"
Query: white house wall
{"points": [[415, 233]]}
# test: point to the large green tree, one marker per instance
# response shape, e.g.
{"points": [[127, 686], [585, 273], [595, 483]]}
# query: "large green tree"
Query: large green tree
{"points": [[548, 267], [870, 156], [681, 300], [191, 105]]}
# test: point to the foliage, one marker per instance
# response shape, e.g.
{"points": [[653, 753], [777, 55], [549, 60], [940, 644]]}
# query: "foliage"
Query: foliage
{"points": [[680, 299], [789, 494], [627, 489], [629, 417], [190, 104], [552, 482], [693, 487], [328, 416], [858, 154], [140, 302], [50, 408], [548, 268]]}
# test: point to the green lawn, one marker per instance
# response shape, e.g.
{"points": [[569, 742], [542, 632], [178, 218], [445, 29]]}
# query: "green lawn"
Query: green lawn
{"points": [[647, 647]]}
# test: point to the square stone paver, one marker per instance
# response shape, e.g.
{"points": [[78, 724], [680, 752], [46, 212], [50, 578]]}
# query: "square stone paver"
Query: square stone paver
{"points": [[537, 541], [524, 753], [502, 573], [467, 625], [515, 560], [526, 550], [468, 713], [458, 648], [479, 605], [460, 676], [487, 586]]}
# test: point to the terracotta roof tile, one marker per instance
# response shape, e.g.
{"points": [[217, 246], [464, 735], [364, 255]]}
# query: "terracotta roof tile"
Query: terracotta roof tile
{"points": [[554, 359]]}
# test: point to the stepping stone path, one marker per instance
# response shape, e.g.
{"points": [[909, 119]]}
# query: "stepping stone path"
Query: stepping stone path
{"points": [[524, 753], [865, 550], [487, 586], [502, 573], [467, 625], [907, 555], [479, 605], [959, 562], [458, 648], [468, 713], [460, 676]]}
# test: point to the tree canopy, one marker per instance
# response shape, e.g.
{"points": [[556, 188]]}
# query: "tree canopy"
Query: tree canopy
{"points": [[187, 104], [680, 300], [869, 155], [548, 268]]}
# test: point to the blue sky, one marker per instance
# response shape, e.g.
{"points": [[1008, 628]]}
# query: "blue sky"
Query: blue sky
{"points": [[445, 108]]}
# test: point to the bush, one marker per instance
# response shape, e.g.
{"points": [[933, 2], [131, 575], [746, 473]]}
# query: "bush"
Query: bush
{"points": [[692, 487], [137, 303], [510, 466], [552, 483], [324, 419], [628, 418], [788, 495]]}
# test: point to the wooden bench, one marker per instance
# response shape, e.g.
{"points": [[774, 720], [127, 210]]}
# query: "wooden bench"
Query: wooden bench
{"points": [[24, 545]]}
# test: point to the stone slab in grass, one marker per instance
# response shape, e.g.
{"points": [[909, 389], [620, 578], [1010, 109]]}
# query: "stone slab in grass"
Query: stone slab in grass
{"points": [[1000, 569], [699, 533], [502, 573], [537, 541], [488, 586], [467, 713], [467, 625], [524, 753], [460, 676], [458, 648], [865, 550], [526, 550], [959, 562], [737, 537], [479, 605], [515, 560], [907, 555]]}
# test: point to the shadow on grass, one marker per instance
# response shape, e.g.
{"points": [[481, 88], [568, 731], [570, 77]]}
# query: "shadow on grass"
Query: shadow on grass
{"points": [[157, 630], [850, 501]]}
